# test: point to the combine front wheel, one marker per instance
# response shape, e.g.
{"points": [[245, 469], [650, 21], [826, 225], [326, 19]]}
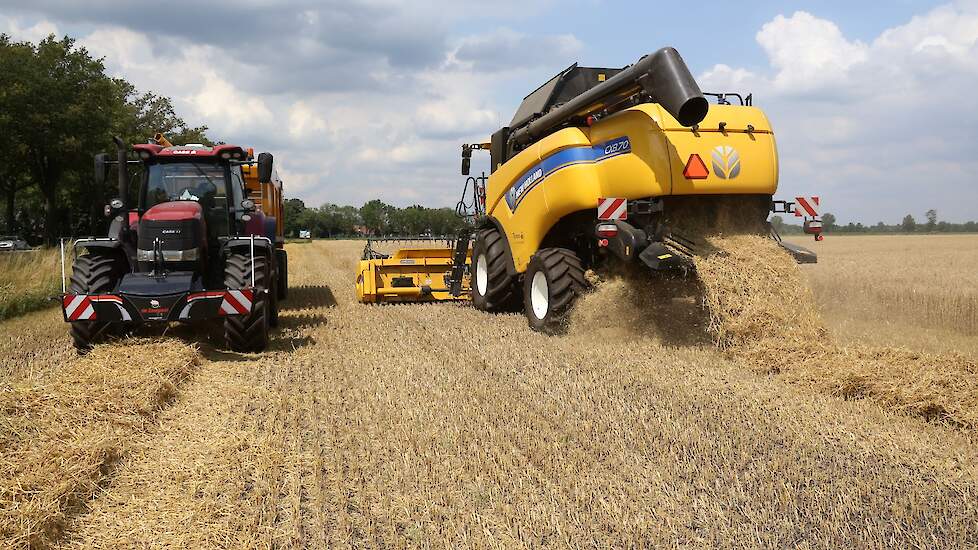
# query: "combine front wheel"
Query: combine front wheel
{"points": [[493, 288], [248, 332], [554, 279]]}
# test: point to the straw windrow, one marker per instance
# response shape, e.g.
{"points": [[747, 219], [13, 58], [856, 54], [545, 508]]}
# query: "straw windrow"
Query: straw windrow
{"points": [[61, 436], [763, 313]]}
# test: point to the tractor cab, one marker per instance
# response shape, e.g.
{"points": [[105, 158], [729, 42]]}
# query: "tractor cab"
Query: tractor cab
{"points": [[191, 199], [203, 240]]}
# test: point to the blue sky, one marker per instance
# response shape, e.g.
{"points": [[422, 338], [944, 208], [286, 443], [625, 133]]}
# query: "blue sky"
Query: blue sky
{"points": [[871, 101]]}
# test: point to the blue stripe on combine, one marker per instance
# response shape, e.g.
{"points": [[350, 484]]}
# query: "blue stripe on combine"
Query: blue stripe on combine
{"points": [[562, 159]]}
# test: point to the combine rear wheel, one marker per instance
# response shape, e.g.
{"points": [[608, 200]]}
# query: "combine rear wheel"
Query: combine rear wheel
{"points": [[94, 273], [493, 288], [248, 333], [554, 279]]}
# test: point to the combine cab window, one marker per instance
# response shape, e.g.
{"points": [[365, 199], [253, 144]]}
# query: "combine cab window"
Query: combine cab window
{"points": [[191, 181]]}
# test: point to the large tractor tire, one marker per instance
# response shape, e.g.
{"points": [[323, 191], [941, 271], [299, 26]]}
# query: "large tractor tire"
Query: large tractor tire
{"points": [[248, 333], [273, 305], [94, 273], [554, 279], [283, 274], [493, 288]]}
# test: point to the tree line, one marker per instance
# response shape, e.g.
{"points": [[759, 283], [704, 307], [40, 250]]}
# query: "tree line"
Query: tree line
{"points": [[373, 218], [909, 224], [58, 108]]}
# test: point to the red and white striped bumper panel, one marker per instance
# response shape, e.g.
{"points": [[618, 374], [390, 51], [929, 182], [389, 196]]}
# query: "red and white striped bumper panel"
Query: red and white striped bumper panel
{"points": [[233, 302], [80, 307]]}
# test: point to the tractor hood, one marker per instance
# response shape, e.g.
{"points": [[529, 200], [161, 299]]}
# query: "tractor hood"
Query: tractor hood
{"points": [[174, 211]]}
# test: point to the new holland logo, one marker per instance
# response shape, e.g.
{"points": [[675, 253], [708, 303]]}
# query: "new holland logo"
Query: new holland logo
{"points": [[726, 162]]}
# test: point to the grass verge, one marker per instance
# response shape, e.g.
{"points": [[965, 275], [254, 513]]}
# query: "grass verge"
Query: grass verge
{"points": [[28, 280]]}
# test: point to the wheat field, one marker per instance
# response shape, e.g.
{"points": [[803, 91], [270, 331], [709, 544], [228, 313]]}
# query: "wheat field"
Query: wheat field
{"points": [[440, 426], [919, 291]]}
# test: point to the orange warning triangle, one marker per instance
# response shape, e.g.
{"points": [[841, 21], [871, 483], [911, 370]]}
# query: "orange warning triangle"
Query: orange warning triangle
{"points": [[695, 168]]}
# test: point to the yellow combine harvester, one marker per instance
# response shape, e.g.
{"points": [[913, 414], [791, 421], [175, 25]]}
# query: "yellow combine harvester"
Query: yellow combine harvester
{"points": [[411, 274], [603, 167]]}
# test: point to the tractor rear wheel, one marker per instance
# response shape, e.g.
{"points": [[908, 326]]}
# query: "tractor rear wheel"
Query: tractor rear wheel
{"points": [[554, 279], [273, 303], [493, 288], [94, 273], [249, 332], [283, 274]]}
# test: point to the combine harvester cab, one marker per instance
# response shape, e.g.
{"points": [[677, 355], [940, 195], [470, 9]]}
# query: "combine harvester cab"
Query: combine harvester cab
{"points": [[416, 274], [605, 166], [202, 242]]}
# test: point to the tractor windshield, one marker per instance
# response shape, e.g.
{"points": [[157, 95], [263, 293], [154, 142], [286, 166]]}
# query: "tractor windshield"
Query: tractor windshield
{"points": [[205, 183], [185, 181]]}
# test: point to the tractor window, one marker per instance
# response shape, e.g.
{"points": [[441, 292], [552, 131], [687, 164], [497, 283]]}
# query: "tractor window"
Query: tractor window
{"points": [[185, 182], [204, 183]]}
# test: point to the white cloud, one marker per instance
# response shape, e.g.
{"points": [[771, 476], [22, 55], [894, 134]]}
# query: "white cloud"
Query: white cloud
{"points": [[805, 50], [304, 122], [879, 129], [35, 32]]}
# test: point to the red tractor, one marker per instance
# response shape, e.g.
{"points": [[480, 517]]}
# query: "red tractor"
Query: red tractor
{"points": [[202, 241]]}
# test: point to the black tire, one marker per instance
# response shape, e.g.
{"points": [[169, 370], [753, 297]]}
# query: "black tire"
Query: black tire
{"points": [[558, 273], [283, 274], [247, 333], [94, 273], [494, 289], [273, 307]]}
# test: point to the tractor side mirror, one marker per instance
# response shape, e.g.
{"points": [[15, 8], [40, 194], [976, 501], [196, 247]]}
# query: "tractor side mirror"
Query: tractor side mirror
{"points": [[101, 168], [265, 167]]}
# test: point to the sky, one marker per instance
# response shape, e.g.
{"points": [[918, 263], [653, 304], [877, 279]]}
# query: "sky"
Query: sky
{"points": [[872, 103]]}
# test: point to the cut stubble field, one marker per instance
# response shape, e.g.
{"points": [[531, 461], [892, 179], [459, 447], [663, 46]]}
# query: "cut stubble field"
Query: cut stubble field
{"points": [[442, 426]]}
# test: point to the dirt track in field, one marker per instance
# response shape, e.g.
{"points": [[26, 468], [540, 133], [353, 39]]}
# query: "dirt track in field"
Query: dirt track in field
{"points": [[440, 425]]}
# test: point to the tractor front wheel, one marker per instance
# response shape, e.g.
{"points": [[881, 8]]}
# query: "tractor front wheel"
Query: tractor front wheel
{"points": [[249, 332], [493, 288], [554, 279], [94, 273]]}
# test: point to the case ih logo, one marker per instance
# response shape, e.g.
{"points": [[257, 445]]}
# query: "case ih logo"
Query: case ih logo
{"points": [[726, 162]]}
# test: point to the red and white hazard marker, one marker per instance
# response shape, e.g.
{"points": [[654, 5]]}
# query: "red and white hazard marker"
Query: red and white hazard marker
{"points": [[806, 207], [78, 307], [612, 209], [236, 302]]}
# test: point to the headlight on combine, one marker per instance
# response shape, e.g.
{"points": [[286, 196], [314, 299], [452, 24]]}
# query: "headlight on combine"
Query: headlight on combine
{"points": [[189, 255]]}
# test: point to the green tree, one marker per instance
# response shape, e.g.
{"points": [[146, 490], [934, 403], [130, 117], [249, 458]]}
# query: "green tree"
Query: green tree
{"points": [[908, 224], [71, 108], [15, 63], [828, 221], [293, 208], [376, 216], [931, 220]]}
